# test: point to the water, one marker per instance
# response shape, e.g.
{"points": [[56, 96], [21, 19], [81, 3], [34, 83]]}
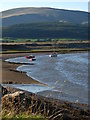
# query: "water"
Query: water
{"points": [[65, 75]]}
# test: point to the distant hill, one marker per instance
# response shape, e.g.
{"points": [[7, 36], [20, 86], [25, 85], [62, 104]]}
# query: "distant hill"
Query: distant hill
{"points": [[44, 23], [37, 15]]}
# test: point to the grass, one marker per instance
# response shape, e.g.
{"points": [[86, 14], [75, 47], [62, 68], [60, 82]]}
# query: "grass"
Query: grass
{"points": [[63, 50], [23, 40], [24, 117], [39, 109]]}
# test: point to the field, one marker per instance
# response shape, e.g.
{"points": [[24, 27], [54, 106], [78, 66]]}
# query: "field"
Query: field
{"points": [[58, 46]]}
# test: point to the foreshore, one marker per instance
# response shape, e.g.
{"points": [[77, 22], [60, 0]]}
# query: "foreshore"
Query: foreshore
{"points": [[51, 108], [10, 75]]}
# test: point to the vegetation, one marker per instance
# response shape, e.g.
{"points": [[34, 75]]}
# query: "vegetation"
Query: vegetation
{"points": [[45, 31], [23, 105], [23, 116], [36, 47], [43, 14], [19, 40]]}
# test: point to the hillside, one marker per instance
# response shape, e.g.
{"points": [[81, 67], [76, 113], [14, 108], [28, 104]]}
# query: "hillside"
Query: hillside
{"points": [[34, 15], [44, 23], [46, 30]]}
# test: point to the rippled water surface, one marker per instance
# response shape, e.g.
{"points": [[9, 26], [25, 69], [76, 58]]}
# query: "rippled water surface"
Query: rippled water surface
{"points": [[65, 75]]}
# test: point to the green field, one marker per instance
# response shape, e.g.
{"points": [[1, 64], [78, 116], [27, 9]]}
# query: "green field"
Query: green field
{"points": [[23, 40]]}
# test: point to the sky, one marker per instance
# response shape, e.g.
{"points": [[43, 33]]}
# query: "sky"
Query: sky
{"points": [[81, 5]]}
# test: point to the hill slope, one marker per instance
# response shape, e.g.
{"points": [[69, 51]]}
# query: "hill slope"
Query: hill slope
{"points": [[46, 30], [34, 15]]}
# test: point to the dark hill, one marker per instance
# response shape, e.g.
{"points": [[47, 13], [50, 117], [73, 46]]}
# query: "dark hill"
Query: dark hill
{"points": [[34, 15], [46, 30]]}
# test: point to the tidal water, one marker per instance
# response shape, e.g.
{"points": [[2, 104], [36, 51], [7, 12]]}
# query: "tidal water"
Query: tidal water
{"points": [[66, 76]]}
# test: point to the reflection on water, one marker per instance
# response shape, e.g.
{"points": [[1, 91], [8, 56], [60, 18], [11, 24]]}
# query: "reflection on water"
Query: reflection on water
{"points": [[34, 88], [66, 74]]}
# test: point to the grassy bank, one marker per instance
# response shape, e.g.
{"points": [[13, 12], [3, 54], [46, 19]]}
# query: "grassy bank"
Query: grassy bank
{"points": [[23, 116], [45, 51], [67, 50], [23, 40], [21, 105]]}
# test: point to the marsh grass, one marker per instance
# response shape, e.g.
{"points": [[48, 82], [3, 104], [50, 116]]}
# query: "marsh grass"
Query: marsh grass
{"points": [[24, 117], [33, 107]]}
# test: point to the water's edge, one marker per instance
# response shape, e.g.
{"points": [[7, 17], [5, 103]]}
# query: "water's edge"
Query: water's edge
{"points": [[58, 86]]}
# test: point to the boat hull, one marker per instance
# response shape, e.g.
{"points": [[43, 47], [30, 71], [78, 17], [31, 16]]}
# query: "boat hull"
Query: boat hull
{"points": [[53, 55]]}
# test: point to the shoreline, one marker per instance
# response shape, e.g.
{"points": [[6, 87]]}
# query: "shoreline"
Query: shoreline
{"points": [[74, 110], [36, 104], [9, 71], [61, 51], [11, 76]]}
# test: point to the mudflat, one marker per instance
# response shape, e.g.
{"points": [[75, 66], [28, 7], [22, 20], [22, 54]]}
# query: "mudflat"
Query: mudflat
{"points": [[11, 75]]}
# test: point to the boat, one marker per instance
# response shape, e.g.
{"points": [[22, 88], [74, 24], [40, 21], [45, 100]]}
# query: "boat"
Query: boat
{"points": [[53, 54], [31, 57]]}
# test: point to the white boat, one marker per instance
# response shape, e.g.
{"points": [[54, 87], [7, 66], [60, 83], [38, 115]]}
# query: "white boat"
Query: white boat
{"points": [[53, 55]]}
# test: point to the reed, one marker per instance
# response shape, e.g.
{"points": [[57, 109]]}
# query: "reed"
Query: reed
{"points": [[33, 106]]}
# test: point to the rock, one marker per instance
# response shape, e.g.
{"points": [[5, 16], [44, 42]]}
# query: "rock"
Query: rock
{"points": [[12, 102], [4, 91], [20, 94]]}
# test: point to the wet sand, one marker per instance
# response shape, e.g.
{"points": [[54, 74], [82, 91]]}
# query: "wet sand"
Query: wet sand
{"points": [[9, 73]]}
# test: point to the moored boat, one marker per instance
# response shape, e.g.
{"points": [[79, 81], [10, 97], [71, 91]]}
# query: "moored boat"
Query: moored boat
{"points": [[31, 57], [53, 54]]}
